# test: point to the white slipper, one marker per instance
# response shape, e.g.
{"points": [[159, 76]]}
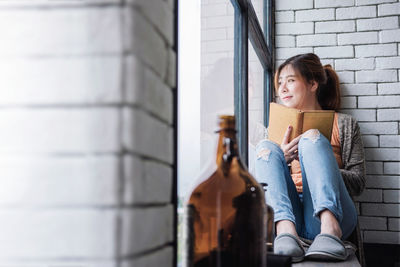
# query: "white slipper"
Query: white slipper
{"points": [[327, 247], [289, 245]]}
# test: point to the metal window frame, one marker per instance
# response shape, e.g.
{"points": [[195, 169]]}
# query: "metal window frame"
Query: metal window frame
{"points": [[248, 27]]}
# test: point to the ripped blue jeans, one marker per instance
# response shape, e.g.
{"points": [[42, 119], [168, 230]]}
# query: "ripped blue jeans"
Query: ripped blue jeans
{"points": [[323, 186]]}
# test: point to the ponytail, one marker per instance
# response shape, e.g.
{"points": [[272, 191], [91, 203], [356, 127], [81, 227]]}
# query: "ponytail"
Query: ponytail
{"points": [[329, 92]]}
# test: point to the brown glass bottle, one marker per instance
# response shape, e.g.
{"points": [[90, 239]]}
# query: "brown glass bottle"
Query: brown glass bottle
{"points": [[225, 213], [270, 223]]}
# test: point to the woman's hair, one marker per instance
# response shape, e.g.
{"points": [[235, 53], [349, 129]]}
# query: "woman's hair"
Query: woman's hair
{"points": [[309, 67]]}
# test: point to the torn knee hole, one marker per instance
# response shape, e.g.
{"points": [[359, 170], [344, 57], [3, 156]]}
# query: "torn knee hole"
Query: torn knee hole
{"points": [[312, 134], [264, 154]]}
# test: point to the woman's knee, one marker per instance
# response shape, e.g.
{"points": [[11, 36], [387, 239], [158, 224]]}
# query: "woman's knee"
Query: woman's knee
{"points": [[312, 134], [315, 136], [264, 149]]}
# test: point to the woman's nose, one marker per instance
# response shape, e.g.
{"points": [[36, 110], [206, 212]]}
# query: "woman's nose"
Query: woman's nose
{"points": [[283, 87]]}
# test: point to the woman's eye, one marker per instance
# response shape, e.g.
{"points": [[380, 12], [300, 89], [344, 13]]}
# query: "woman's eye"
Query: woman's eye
{"points": [[290, 80]]}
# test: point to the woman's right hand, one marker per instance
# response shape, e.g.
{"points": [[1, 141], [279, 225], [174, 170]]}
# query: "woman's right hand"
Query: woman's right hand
{"points": [[290, 149]]}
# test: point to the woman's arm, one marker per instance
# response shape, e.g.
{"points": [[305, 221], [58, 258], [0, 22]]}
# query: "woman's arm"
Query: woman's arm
{"points": [[353, 159]]}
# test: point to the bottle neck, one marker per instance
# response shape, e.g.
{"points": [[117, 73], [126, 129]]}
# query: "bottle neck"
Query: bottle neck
{"points": [[227, 148]]}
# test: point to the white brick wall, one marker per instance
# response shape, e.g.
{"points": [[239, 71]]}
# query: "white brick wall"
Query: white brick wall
{"points": [[80, 34], [370, 141], [87, 120], [375, 50], [285, 41], [378, 24], [67, 181], [389, 36], [63, 233], [354, 64], [335, 26], [371, 2], [355, 12], [394, 224], [358, 89], [72, 130], [294, 28], [284, 16], [315, 40], [315, 15], [41, 83], [287, 4], [145, 229], [337, 3], [389, 9], [360, 38], [357, 38]]}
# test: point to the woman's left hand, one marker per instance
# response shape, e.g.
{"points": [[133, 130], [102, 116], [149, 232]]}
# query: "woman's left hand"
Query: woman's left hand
{"points": [[290, 149]]}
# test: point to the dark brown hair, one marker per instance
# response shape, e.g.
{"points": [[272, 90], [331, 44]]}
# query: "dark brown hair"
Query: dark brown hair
{"points": [[309, 67]]}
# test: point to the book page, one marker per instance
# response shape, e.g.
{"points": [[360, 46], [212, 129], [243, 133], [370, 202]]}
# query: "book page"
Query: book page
{"points": [[319, 119], [280, 117]]}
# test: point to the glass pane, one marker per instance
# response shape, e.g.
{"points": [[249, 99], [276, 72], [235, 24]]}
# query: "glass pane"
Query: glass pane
{"points": [[206, 82], [206, 88], [217, 81], [256, 105], [189, 104]]}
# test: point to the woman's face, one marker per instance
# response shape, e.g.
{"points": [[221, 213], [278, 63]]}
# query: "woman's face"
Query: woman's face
{"points": [[294, 92]]}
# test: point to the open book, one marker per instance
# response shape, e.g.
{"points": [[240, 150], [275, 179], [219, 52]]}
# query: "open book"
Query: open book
{"points": [[280, 117]]}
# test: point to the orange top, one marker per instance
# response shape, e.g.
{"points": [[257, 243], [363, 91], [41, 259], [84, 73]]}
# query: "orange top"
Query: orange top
{"points": [[335, 142]]}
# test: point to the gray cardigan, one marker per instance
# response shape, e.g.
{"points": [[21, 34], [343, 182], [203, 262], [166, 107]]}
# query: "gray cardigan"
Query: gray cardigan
{"points": [[352, 148], [353, 172]]}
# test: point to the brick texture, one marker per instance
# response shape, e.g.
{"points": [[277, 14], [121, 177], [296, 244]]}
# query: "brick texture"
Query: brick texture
{"points": [[388, 88], [315, 15], [316, 40], [327, 3], [356, 12], [387, 182], [377, 24], [290, 5], [335, 26], [370, 141], [357, 38], [373, 223], [85, 233], [87, 147], [284, 16]]}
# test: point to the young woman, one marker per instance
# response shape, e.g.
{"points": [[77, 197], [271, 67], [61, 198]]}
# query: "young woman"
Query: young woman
{"points": [[310, 179]]}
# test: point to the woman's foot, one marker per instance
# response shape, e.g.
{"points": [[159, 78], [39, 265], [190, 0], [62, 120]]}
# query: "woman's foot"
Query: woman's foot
{"points": [[328, 245], [287, 241], [289, 245], [286, 226], [329, 224]]}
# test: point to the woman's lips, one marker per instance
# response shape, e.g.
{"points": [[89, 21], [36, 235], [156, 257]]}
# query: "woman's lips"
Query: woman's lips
{"points": [[286, 98]]}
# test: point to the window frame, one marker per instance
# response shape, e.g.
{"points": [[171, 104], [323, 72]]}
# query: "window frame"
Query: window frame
{"points": [[247, 27]]}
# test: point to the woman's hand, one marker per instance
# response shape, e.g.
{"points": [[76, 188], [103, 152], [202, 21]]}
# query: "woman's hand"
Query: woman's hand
{"points": [[290, 148]]}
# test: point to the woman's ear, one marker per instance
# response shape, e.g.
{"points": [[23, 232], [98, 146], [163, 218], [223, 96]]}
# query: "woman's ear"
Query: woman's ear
{"points": [[314, 86]]}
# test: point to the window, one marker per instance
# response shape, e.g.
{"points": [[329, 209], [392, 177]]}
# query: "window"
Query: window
{"points": [[248, 27], [225, 67]]}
